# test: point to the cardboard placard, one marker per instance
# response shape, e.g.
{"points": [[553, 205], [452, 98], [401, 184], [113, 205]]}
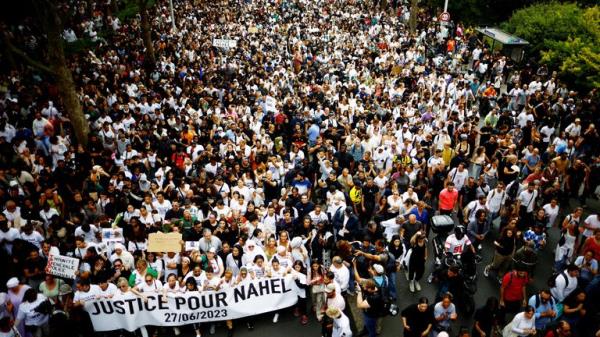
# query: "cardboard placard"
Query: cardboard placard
{"points": [[164, 243], [62, 266]]}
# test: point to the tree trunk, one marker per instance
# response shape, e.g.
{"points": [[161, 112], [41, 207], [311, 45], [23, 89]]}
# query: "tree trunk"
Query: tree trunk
{"points": [[147, 34], [412, 21], [64, 78]]}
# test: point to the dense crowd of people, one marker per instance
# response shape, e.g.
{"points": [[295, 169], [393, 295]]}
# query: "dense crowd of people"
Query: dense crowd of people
{"points": [[320, 147]]}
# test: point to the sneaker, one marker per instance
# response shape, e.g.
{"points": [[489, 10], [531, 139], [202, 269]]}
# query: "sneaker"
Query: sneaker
{"points": [[486, 271], [417, 286], [411, 286], [212, 329], [250, 326], [198, 335], [176, 331], [276, 318], [304, 320]]}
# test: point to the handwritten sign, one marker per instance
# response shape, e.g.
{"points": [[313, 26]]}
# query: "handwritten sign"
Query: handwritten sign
{"points": [[165, 243], [62, 266], [224, 43]]}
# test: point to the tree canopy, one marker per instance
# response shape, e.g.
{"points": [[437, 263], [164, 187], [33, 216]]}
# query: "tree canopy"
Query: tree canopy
{"points": [[565, 36]]}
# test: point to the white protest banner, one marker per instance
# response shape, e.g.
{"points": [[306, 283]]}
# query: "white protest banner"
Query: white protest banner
{"points": [[224, 43], [62, 266], [130, 312]]}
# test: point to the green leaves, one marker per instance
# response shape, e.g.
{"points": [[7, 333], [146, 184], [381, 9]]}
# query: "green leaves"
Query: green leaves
{"points": [[565, 36]]}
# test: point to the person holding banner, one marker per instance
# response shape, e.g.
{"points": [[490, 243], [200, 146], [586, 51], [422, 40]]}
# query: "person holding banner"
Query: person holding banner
{"points": [[192, 286], [276, 270], [299, 275]]}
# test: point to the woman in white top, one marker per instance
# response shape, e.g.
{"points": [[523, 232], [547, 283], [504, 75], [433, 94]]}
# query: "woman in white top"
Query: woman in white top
{"points": [[36, 323], [276, 271], [395, 203], [522, 325], [299, 275], [156, 263]]}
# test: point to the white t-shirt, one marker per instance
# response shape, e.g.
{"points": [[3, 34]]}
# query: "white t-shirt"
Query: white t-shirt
{"points": [[92, 294], [527, 199], [110, 291], [7, 238], [152, 287], [551, 212], [28, 314], [162, 208], [34, 238], [591, 221], [455, 246], [89, 236], [458, 178], [175, 259]]}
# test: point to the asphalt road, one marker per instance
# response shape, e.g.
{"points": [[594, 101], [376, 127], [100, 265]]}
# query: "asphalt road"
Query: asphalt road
{"points": [[290, 326]]}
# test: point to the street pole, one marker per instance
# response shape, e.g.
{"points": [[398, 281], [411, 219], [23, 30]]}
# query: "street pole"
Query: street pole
{"points": [[173, 15], [445, 6]]}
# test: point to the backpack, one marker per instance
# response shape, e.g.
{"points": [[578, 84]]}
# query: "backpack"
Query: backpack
{"points": [[538, 301], [511, 194], [390, 266], [389, 308], [554, 276]]}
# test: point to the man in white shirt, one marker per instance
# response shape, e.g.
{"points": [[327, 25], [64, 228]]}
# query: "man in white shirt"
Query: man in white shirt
{"points": [[81, 247], [341, 323], [495, 199], [458, 176], [31, 236], [162, 205], [7, 235], [526, 203], [547, 132], [87, 231], [565, 283], [471, 209], [341, 272], [106, 289], [85, 292]]}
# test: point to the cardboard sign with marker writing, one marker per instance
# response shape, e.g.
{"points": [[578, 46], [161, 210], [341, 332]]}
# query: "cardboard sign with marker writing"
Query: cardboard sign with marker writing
{"points": [[160, 242]]}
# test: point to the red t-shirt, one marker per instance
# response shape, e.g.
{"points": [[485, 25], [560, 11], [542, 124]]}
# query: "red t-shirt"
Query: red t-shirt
{"points": [[448, 199], [513, 286], [591, 244]]}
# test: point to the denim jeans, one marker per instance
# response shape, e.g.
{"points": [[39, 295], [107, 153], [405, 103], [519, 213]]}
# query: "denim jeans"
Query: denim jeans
{"points": [[370, 325], [392, 285]]}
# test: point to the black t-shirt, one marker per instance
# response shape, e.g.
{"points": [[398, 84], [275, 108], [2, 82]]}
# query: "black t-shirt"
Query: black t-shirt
{"points": [[469, 193], [486, 319], [376, 305], [369, 193], [417, 320]]}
